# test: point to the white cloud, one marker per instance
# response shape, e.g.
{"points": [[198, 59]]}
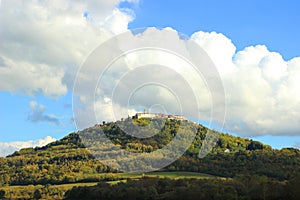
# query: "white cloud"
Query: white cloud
{"points": [[166, 80], [44, 42], [262, 89], [219, 47], [117, 22], [274, 68], [30, 79], [8, 148]]}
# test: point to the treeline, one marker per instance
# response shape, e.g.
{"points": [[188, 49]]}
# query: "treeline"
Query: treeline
{"points": [[245, 187], [279, 164]]}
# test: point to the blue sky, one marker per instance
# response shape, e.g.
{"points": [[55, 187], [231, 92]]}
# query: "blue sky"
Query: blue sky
{"points": [[273, 23], [34, 110]]}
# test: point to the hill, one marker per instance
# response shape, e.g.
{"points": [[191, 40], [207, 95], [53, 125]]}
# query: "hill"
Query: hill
{"points": [[68, 161]]}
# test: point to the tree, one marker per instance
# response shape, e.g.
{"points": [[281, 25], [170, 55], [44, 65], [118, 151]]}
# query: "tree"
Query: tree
{"points": [[254, 145], [37, 194], [2, 194]]}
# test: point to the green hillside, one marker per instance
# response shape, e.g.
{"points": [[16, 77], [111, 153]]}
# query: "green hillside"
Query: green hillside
{"points": [[68, 161]]}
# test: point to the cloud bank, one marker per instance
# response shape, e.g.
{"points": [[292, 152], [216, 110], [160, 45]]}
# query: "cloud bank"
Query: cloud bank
{"points": [[262, 89], [43, 44], [10, 147]]}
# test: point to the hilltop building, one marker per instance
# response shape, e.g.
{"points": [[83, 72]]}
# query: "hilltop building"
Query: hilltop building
{"points": [[157, 115]]}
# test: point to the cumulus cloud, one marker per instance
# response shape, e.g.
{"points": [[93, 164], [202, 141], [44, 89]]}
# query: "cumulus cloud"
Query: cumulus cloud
{"points": [[8, 148], [31, 79], [262, 89], [140, 79], [37, 114], [219, 47], [44, 42]]}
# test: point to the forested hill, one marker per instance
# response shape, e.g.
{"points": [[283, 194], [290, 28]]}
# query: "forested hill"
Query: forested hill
{"points": [[68, 161]]}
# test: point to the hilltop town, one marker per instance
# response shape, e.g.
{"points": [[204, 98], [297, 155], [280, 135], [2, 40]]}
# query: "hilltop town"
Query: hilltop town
{"points": [[147, 115]]}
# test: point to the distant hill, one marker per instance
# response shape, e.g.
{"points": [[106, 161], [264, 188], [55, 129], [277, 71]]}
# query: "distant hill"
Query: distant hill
{"points": [[68, 161]]}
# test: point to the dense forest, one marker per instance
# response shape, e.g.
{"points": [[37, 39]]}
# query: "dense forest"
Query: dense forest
{"points": [[246, 187], [69, 161]]}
